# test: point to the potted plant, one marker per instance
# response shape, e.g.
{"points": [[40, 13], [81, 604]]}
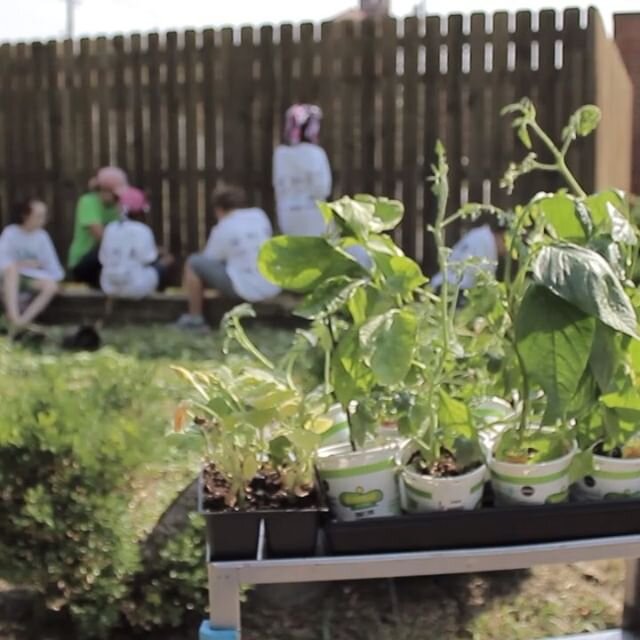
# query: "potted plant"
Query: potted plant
{"points": [[377, 328], [365, 323], [557, 311], [260, 434]]}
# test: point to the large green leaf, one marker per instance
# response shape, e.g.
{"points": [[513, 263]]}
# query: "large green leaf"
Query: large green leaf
{"points": [[605, 356], [559, 210], [302, 263], [387, 213], [608, 209], [403, 275], [389, 342], [584, 278], [328, 297], [554, 339], [350, 375]]}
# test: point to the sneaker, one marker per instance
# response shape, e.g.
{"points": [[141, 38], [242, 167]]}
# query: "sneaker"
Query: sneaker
{"points": [[190, 322]]}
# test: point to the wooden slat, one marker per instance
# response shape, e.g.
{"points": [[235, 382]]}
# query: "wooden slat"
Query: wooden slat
{"points": [[243, 154], [477, 168], [190, 218], [571, 80], [120, 103], [547, 82], [173, 144], [454, 110], [10, 107], [526, 185], [210, 105], [347, 150], [501, 94], [227, 89], [88, 163], [307, 84], [138, 169], [368, 108], [5, 156], [410, 221], [286, 67], [433, 119], [68, 185], [389, 100], [21, 130], [39, 179], [55, 143], [266, 92], [156, 136], [327, 88], [104, 98]]}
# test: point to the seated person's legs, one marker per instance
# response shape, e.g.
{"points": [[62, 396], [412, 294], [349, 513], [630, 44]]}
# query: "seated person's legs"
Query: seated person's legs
{"points": [[201, 272], [45, 290], [163, 267], [88, 269], [11, 293]]}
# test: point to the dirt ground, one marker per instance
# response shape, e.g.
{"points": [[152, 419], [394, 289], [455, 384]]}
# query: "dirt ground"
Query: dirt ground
{"points": [[514, 605]]}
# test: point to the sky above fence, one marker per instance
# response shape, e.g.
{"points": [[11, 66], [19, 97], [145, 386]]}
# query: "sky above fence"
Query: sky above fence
{"points": [[46, 19]]}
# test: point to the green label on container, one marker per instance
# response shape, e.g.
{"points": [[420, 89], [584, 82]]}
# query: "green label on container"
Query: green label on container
{"points": [[359, 499]]}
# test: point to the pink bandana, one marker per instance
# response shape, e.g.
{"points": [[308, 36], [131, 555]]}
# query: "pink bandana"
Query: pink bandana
{"points": [[302, 119]]}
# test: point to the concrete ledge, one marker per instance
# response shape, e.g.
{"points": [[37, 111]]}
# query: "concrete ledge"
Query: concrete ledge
{"points": [[76, 305]]}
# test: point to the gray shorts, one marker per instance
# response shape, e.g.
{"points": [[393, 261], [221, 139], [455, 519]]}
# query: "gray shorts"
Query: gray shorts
{"points": [[213, 273]]}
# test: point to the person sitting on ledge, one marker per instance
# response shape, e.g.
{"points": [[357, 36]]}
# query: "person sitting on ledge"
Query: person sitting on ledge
{"points": [[94, 211], [132, 265], [229, 262], [29, 264]]}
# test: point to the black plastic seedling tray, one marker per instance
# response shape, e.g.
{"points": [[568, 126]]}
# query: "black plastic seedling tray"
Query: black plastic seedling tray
{"points": [[233, 535], [488, 526]]}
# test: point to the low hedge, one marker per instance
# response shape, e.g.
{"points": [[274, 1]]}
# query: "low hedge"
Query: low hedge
{"points": [[79, 436]]}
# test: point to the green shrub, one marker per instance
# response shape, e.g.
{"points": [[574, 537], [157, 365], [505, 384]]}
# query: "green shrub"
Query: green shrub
{"points": [[174, 584], [74, 431]]}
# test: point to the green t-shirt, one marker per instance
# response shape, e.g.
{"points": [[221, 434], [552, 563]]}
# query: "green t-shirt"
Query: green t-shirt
{"points": [[89, 210]]}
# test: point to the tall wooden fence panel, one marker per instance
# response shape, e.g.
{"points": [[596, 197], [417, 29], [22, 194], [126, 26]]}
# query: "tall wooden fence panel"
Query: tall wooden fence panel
{"points": [[181, 111]]}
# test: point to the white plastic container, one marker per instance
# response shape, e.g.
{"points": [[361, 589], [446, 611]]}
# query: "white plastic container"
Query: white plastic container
{"points": [[545, 482], [611, 479], [360, 484], [420, 493]]}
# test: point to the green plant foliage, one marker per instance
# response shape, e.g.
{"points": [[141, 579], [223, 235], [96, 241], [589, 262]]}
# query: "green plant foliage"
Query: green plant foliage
{"points": [[585, 279], [554, 339], [74, 431]]}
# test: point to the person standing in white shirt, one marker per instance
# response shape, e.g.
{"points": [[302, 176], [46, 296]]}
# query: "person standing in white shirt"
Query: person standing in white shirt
{"points": [[131, 263], [28, 263], [485, 244], [301, 173], [229, 262]]}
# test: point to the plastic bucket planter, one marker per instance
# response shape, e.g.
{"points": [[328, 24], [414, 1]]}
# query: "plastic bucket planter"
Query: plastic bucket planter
{"points": [[360, 484], [420, 493], [611, 479], [542, 483], [338, 433]]}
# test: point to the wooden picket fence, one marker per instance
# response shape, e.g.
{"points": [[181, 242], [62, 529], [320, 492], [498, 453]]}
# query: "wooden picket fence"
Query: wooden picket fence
{"points": [[181, 111]]}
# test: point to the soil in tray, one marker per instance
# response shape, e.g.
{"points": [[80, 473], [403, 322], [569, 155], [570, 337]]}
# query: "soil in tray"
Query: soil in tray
{"points": [[630, 452], [444, 467], [265, 491]]}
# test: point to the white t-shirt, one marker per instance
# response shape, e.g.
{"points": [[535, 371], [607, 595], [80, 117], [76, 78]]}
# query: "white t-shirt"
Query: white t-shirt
{"points": [[301, 176], [17, 245], [236, 241], [126, 253], [479, 243]]}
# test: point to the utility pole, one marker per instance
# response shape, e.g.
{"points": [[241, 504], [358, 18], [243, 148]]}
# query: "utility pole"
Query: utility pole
{"points": [[71, 9]]}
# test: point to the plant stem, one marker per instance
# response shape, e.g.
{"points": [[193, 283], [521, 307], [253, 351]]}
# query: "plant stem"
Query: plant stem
{"points": [[559, 156], [327, 373], [438, 234]]}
